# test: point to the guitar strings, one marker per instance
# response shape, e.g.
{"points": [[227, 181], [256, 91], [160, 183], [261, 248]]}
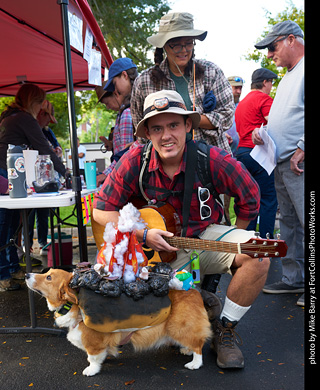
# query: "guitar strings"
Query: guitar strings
{"points": [[222, 245]]}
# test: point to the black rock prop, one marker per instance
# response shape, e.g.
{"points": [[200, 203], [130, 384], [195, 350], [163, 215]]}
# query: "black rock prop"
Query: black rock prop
{"points": [[110, 288], [89, 279], [159, 286], [137, 289], [158, 282]]}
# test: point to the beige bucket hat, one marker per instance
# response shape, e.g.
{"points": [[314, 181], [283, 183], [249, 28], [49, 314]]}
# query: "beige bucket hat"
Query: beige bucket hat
{"points": [[174, 25], [163, 102]]}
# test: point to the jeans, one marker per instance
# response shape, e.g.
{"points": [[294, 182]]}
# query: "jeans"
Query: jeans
{"points": [[290, 193], [268, 201], [9, 222]]}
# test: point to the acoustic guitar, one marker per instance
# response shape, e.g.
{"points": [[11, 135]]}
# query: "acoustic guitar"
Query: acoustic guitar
{"points": [[163, 216]]}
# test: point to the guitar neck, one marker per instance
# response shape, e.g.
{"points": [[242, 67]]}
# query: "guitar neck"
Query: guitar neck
{"points": [[206, 245], [165, 218]]}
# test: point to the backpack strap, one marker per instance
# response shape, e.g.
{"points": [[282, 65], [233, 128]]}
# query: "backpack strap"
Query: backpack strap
{"points": [[188, 184], [145, 158], [203, 169]]}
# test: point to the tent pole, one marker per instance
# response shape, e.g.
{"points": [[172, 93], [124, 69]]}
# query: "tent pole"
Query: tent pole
{"points": [[76, 180]]}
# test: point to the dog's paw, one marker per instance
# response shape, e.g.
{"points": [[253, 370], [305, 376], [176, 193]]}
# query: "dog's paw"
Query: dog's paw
{"points": [[196, 363], [91, 370], [186, 351]]}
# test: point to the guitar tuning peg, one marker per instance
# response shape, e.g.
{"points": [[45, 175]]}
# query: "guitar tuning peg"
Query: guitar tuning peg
{"points": [[278, 236], [257, 234], [268, 236]]}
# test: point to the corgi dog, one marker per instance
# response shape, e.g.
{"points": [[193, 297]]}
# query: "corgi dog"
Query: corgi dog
{"points": [[187, 325]]}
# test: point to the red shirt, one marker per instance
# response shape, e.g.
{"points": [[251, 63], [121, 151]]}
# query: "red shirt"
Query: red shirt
{"points": [[250, 114], [228, 175]]}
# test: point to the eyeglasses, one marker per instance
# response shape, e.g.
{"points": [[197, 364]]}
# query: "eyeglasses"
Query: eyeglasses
{"points": [[272, 47], [178, 47], [203, 196]]}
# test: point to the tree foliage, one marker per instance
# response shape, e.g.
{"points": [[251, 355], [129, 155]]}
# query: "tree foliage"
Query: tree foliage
{"points": [[99, 120], [290, 13], [126, 25]]}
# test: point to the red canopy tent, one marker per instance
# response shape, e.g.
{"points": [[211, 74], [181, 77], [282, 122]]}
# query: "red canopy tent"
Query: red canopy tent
{"points": [[31, 43], [35, 48]]}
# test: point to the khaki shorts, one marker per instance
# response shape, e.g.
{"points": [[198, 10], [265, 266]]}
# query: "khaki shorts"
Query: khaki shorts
{"points": [[214, 262]]}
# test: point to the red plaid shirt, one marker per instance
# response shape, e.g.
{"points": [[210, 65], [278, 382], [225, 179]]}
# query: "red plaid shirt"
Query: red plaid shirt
{"points": [[122, 135], [228, 175]]}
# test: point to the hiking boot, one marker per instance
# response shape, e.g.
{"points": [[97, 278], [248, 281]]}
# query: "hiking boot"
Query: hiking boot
{"points": [[224, 343], [9, 285], [212, 304], [281, 288]]}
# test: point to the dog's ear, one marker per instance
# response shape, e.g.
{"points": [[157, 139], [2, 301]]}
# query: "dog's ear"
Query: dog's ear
{"points": [[68, 294]]}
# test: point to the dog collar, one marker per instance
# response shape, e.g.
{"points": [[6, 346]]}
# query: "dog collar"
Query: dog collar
{"points": [[65, 309]]}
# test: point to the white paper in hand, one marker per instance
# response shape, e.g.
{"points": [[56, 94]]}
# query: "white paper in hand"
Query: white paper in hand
{"points": [[265, 154]]}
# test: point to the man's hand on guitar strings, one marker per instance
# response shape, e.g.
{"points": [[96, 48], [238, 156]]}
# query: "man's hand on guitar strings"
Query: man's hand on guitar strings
{"points": [[157, 242]]}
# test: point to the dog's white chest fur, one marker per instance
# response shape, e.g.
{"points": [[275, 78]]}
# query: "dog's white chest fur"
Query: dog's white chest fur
{"points": [[74, 336], [69, 321]]}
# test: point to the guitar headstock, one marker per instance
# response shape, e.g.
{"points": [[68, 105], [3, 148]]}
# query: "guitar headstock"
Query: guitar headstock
{"points": [[264, 247]]}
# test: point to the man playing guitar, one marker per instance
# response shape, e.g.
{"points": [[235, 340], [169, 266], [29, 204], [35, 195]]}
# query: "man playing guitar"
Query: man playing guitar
{"points": [[166, 123]]}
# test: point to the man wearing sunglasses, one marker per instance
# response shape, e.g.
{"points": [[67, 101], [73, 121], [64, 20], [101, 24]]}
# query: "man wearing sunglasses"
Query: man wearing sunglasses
{"points": [[285, 46], [166, 122]]}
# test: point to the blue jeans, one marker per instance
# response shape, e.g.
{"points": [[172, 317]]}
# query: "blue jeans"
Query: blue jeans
{"points": [[268, 201], [9, 222]]}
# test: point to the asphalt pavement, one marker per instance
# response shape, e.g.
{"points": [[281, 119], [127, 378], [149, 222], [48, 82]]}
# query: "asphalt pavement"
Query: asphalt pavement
{"points": [[273, 346]]}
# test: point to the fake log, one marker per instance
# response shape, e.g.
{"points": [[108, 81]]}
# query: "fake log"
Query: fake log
{"points": [[108, 314]]}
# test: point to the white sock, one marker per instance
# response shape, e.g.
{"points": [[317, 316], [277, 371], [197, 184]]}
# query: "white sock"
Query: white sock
{"points": [[233, 311]]}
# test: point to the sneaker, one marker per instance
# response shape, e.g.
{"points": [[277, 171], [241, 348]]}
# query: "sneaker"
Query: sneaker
{"points": [[44, 250], [224, 343], [34, 262], [19, 275], [9, 285], [300, 301], [281, 288]]}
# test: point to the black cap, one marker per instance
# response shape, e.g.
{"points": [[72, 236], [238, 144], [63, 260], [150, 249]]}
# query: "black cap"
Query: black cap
{"points": [[262, 74]]}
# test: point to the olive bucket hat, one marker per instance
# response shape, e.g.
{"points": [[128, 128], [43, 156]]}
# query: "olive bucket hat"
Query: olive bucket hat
{"points": [[174, 25]]}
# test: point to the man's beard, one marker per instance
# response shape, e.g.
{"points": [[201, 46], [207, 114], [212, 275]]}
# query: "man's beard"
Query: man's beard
{"points": [[236, 99]]}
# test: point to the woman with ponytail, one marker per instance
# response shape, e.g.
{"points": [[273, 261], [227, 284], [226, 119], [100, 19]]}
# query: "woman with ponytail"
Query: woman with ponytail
{"points": [[202, 84]]}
